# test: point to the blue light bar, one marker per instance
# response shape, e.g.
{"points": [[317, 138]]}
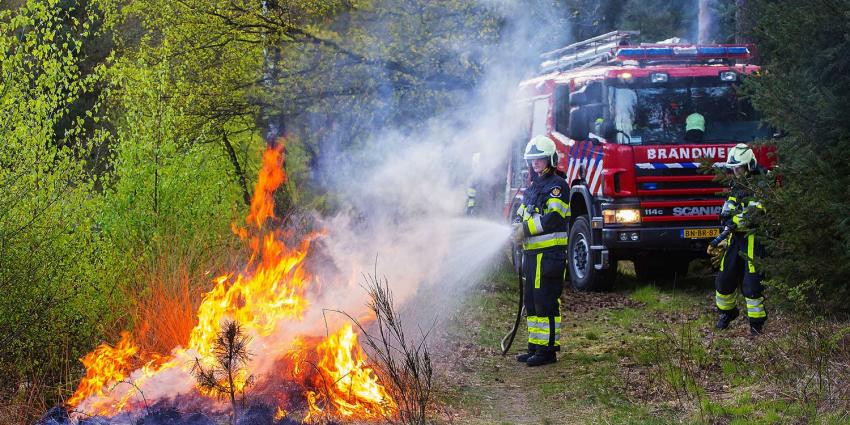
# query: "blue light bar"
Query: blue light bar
{"points": [[655, 51], [688, 52], [630, 52], [711, 51]]}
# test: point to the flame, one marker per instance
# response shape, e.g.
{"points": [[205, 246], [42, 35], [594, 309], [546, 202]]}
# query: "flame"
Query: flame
{"points": [[105, 365], [269, 292], [348, 387]]}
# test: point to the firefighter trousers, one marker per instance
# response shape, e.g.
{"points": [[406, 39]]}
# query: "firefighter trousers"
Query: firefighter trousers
{"points": [[736, 268], [544, 281]]}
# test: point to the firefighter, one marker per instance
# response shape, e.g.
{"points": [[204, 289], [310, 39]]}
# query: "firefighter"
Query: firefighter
{"points": [[741, 247], [694, 127], [475, 182], [541, 225]]}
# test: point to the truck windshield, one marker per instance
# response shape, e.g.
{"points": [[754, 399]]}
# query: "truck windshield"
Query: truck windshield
{"points": [[652, 113]]}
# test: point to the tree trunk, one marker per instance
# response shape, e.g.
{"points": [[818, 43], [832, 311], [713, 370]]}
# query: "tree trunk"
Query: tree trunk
{"points": [[240, 174]]}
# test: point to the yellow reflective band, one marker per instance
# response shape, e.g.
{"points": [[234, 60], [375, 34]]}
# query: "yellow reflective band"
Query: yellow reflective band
{"points": [[559, 206], [543, 319], [754, 301], [543, 342], [535, 226], [546, 241], [540, 327], [537, 272], [724, 302], [755, 308], [470, 203], [522, 212], [751, 246]]}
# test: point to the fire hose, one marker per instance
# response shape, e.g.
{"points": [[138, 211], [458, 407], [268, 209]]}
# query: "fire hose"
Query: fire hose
{"points": [[508, 339], [728, 229]]}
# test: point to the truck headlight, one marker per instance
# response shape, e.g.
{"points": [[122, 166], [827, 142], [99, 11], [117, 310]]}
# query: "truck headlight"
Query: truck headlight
{"points": [[622, 216]]}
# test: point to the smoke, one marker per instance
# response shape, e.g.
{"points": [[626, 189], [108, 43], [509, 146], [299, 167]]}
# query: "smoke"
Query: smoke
{"points": [[405, 191], [403, 195]]}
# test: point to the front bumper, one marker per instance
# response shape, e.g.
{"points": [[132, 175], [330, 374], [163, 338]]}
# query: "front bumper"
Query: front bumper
{"points": [[667, 238]]}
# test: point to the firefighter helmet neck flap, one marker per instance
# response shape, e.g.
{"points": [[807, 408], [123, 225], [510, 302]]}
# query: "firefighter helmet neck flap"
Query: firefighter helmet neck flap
{"points": [[540, 147], [740, 156]]}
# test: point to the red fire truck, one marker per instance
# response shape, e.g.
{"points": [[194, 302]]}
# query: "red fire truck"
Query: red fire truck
{"points": [[641, 189]]}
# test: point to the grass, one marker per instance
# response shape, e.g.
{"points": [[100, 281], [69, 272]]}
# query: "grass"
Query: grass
{"points": [[644, 354]]}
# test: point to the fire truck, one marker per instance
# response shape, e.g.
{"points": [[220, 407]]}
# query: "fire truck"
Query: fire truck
{"points": [[641, 188]]}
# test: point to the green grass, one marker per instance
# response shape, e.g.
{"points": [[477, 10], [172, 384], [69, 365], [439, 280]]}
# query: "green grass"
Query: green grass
{"points": [[678, 369]]}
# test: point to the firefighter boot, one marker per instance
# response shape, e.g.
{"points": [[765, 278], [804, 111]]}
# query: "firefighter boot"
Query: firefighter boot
{"points": [[541, 358], [756, 327], [525, 356], [726, 317]]}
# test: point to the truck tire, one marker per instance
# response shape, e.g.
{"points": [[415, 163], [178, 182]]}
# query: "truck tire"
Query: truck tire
{"points": [[583, 275], [661, 268]]}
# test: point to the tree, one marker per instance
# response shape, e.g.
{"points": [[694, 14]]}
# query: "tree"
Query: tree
{"points": [[225, 376], [804, 90], [54, 304]]}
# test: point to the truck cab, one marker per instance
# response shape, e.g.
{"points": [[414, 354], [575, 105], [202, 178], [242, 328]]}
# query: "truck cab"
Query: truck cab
{"points": [[642, 187]]}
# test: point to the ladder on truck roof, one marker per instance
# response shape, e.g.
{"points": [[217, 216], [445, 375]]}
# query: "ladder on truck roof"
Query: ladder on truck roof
{"points": [[585, 53]]}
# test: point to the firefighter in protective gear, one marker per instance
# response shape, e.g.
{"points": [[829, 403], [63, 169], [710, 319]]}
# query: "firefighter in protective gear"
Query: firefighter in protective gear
{"points": [[542, 221], [739, 214], [472, 190]]}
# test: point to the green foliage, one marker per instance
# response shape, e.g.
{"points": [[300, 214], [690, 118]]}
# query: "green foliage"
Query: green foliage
{"points": [[54, 305], [805, 91], [172, 189]]}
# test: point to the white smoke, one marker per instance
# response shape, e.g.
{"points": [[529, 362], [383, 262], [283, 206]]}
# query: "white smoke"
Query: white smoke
{"points": [[406, 192], [405, 198]]}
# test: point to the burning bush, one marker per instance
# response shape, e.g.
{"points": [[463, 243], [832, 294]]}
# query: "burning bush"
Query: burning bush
{"points": [[270, 301]]}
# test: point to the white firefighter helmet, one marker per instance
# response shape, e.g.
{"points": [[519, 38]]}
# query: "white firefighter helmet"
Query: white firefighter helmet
{"points": [[740, 156], [540, 147]]}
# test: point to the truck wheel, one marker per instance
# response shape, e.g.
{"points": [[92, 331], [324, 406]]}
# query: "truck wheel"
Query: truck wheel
{"points": [[583, 275], [649, 268]]}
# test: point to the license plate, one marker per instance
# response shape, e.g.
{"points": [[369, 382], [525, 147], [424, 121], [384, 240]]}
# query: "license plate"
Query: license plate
{"points": [[700, 233]]}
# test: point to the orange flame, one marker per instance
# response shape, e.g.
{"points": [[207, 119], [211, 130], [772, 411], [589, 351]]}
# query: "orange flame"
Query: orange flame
{"points": [[269, 292], [105, 365], [349, 388]]}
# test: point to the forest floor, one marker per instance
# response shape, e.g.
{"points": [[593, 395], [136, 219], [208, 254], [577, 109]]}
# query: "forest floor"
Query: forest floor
{"points": [[643, 353]]}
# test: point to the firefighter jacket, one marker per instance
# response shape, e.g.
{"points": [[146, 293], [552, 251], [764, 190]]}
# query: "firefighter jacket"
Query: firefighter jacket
{"points": [[545, 213], [741, 208]]}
